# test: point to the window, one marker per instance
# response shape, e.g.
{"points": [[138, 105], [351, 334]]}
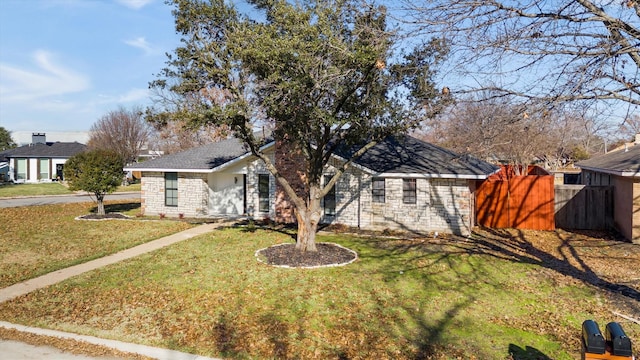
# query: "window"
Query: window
{"points": [[171, 189], [409, 191], [44, 169], [377, 190], [330, 198], [21, 169], [263, 193]]}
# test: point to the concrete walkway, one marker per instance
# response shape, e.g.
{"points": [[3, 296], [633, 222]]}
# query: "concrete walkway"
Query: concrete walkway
{"points": [[19, 349]]}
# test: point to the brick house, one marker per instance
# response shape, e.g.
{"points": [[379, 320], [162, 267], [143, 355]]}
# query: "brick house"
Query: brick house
{"points": [[621, 170], [402, 183]]}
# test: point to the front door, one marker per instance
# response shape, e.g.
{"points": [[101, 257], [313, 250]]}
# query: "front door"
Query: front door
{"points": [[59, 172]]}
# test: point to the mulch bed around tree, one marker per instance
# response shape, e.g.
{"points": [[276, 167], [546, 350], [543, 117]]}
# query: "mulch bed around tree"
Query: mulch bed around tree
{"points": [[285, 255], [108, 216]]}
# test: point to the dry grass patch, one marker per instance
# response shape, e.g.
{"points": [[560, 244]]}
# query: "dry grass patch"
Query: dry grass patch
{"points": [[40, 239], [494, 296]]}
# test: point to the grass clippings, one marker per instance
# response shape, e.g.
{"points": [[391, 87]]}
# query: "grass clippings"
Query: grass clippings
{"points": [[496, 295]]}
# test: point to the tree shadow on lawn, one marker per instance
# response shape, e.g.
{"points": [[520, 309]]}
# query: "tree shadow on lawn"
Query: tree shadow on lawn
{"points": [[118, 207], [567, 259], [568, 254]]}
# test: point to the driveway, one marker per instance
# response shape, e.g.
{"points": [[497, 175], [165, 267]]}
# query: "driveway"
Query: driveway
{"points": [[63, 199]]}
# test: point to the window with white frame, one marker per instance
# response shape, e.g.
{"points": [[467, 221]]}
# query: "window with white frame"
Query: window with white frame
{"points": [[21, 169], [409, 191], [171, 189], [43, 165], [263, 193], [377, 190], [329, 199]]}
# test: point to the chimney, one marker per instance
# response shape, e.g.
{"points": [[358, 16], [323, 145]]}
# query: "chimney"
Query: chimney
{"points": [[38, 138]]}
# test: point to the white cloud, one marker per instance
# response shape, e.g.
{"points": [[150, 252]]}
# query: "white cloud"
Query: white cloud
{"points": [[134, 95], [47, 79], [134, 4], [141, 43]]}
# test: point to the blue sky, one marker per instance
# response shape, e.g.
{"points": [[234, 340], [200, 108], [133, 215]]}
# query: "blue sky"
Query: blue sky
{"points": [[66, 63]]}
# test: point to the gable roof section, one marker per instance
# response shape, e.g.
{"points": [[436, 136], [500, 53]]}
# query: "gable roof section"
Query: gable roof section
{"points": [[405, 155], [48, 150], [622, 162], [198, 159], [396, 156]]}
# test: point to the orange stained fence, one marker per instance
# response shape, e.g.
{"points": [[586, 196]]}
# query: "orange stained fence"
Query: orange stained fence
{"points": [[506, 200]]}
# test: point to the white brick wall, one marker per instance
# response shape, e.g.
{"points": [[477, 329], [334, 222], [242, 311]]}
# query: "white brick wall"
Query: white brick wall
{"points": [[443, 205]]}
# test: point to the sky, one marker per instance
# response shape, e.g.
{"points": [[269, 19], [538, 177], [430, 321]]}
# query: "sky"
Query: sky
{"points": [[66, 63]]}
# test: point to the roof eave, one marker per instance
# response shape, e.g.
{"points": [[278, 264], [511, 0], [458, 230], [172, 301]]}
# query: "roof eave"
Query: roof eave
{"points": [[434, 176], [624, 173]]}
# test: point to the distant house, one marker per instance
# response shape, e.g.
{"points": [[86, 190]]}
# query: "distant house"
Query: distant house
{"points": [[40, 161], [620, 169], [402, 183]]}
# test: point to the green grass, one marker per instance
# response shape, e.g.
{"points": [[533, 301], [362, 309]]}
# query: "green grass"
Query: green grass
{"points": [[401, 300], [53, 188], [38, 239]]}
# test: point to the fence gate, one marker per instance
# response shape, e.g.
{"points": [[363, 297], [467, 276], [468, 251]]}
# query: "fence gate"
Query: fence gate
{"points": [[521, 202], [584, 207]]}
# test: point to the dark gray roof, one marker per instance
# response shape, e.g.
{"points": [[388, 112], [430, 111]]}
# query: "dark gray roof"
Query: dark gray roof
{"points": [[48, 150], [621, 162], [203, 157], [405, 154], [397, 155]]}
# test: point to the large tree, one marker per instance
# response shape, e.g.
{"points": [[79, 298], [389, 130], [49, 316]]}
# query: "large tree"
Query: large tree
{"points": [[323, 74], [98, 172], [122, 130], [178, 135], [499, 128], [555, 51], [6, 141]]}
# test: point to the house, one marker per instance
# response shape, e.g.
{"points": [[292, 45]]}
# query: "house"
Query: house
{"points": [[402, 183], [40, 160], [621, 170]]}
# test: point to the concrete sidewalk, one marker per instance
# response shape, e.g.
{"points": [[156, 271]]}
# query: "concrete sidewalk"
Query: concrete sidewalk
{"points": [[57, 276], [17, 350]]}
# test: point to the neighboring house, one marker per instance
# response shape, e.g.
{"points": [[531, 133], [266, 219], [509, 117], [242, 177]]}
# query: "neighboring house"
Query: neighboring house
{"points": [[402, 183], [40, 160], [620, 169]]}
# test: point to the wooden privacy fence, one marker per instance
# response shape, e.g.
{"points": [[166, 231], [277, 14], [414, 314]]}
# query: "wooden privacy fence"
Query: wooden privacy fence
{"points": [[584, 207], [522, 202]]}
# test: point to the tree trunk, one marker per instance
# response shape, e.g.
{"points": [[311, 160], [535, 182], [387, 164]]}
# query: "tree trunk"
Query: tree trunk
{"points": [[308, 220], [100, 200]]}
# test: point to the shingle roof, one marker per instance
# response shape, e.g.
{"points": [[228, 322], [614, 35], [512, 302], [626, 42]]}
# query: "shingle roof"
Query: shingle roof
{"points": [[405, 154], [49, 150], [205, 157], [621, 162], [395, 155]]}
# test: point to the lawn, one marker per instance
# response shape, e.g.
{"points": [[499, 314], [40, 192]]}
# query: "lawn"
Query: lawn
{"points": [[498, 295], [41, 189], [49, 188], [39, 239]]}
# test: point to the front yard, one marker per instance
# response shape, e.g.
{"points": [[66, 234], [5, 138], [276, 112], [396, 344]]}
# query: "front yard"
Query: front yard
{"points": [[497, 295], [36, 240]]}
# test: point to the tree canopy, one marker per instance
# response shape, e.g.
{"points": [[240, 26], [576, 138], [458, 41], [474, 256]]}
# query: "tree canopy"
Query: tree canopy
{"points": [[6, 141], [123, 130], [321, 74], [551, 51], [98, 172]]}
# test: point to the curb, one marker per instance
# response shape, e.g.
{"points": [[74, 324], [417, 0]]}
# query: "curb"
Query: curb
{"points": [[149, 351]]}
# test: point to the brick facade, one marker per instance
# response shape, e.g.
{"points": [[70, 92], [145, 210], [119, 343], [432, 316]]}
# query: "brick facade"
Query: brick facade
{"points": [[442, 205]]}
